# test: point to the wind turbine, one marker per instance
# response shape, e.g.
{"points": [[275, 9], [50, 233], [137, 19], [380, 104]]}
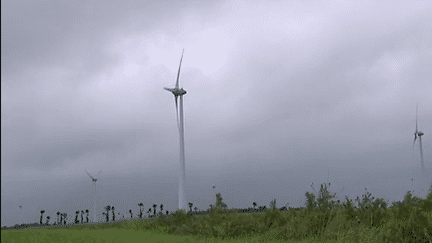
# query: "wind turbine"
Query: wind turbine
{"points": [[180, 92], [328, 176], [328, 182], [21, 214], [419, 134], [94, 196]]}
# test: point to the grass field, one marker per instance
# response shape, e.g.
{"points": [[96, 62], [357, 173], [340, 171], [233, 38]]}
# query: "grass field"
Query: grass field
{"points": [[321, 220]]}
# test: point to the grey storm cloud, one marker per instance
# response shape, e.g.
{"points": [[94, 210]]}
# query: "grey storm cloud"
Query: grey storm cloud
{"points": [[278, 94]]}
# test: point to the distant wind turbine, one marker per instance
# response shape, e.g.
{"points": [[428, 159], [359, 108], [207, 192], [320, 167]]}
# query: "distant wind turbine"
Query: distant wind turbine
{"points": [[328, 181], [20, 213], [180, 92], [328, 176], [94, 196], [419, 134]]}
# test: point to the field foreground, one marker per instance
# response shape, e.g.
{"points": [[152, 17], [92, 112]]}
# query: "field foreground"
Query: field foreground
{"points": [[320, 221]]}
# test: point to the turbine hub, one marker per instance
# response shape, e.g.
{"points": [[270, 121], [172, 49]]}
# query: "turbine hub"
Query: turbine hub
{"points": [[420, 133], [177, 92]]}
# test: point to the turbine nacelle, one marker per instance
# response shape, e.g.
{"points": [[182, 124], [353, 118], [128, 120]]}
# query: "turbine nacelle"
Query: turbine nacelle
{"points": [[419, 134], [93, 179], [177, 91]]}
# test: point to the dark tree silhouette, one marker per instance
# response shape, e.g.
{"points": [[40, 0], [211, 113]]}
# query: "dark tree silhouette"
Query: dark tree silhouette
{"points": [[148, 212], [42, 212], [58, 217], [76, 217], [140, 205], [196, 209], [254, 204], [112, 210], [167, 212], [87, 211], [107, 208], [48, 218], [161, 207], [154, 207], [130, 211], [190, 206], [82, 212], [64, 218]]}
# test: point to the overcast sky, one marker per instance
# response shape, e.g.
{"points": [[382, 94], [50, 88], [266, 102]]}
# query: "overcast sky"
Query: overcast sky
{"points": [[279, 95]]}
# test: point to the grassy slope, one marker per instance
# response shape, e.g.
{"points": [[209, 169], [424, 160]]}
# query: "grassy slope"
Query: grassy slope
{"points": [[370, 222]]}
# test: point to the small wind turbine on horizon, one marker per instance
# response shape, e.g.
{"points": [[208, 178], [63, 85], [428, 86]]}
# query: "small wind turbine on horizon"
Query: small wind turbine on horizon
{"points": [[419, 134], [180, 92], [21, 213], [328, 181], [94, 196]]}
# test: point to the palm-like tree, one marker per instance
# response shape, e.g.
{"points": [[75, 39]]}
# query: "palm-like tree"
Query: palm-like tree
{"points": [[48, 218], [42, 212], [140, 205], [148, 212], [61, 218], [76, 217], [161, 207], [130, 211], [254, 204], [154, 207], [87, 211], [190, 206], [64, 218], [112, 210], [107, 208], [58, 217], [82, 212], [196, 209], [272, 204]]}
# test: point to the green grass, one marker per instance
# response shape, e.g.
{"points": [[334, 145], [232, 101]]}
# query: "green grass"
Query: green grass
{"points": [[322, 220], [105, 235]]}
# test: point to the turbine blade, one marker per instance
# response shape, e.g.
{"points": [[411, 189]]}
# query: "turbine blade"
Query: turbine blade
{"points": [[415, 137], [89, 175], [178, 74]]}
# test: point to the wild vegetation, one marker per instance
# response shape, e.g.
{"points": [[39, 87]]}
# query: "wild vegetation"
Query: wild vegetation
{"points": [[321, 220]]}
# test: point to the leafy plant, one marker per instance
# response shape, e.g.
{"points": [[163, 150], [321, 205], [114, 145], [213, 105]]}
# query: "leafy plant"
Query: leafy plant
{"points": [[42, 212]]}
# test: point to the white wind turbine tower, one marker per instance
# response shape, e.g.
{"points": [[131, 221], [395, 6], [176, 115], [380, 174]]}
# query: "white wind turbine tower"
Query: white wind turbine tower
{"points": [[419, 134], [94, 195], [328, 183], [180, 92], [21, 215]]}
